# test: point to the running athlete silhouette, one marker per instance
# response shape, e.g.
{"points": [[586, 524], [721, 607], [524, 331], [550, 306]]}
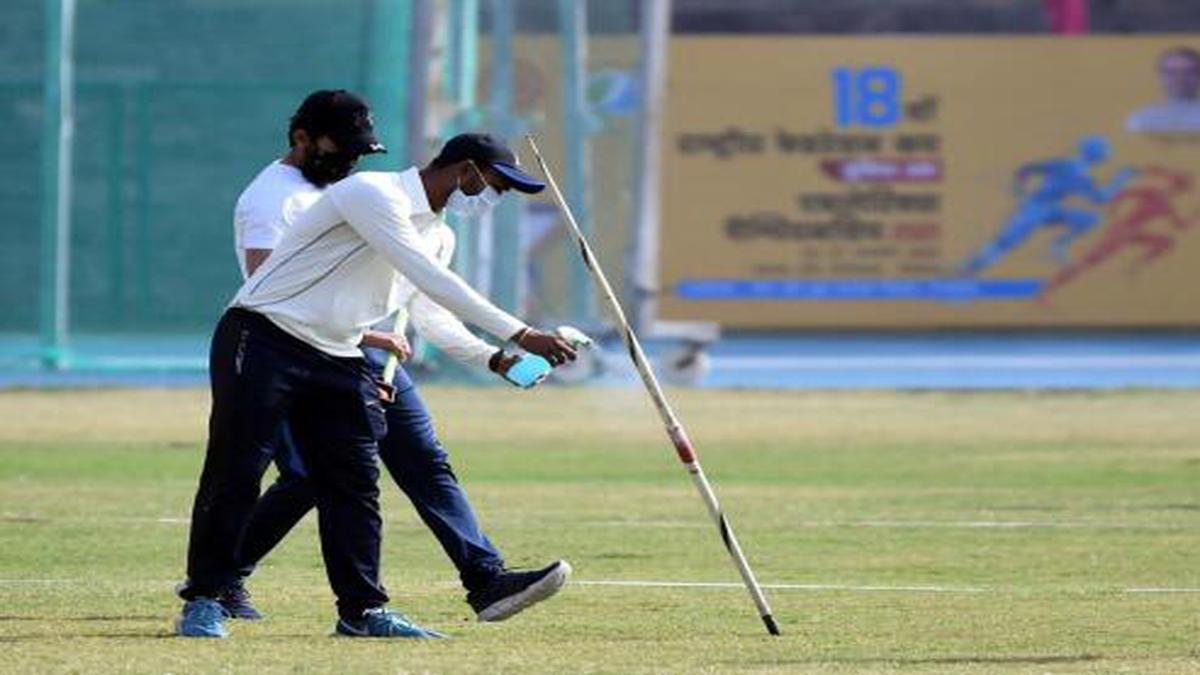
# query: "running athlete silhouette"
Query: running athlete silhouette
{"points": [[1061, 178], [1133, 211]]}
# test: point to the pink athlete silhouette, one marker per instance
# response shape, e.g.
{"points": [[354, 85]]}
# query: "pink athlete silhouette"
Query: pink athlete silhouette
{"points": [[1132, 212]]}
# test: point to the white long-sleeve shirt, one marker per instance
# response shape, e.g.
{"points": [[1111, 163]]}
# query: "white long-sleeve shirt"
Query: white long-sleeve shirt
{"points": [[334, 272], [431, 320]]}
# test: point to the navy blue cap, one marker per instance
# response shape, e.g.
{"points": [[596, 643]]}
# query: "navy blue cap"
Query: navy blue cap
{"points": [[343, 117], [493, 152]]}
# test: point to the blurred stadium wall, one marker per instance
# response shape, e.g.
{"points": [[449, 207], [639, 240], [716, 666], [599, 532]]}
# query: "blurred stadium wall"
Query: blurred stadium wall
{"points": [[179, 103]]}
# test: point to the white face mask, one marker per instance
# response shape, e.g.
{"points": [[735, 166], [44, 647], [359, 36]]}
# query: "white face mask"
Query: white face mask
{"points": [[464, 205], [472, 206]]}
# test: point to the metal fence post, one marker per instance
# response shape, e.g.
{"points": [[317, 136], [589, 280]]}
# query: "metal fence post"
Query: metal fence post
{"points": [[58, 105]]}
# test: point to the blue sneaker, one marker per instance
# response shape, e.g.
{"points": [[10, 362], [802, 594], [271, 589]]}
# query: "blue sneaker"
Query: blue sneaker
{"points": [[235, 600], [238, 605], [202, 617], [382, 622]]}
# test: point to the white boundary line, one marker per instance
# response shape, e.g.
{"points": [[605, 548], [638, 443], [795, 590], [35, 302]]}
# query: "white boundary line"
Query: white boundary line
{"points": [[918, 524], [1002, 524], [844, 587], [45, 520], [635, 583], [1186, 361], [782, 587], [696, 524]]}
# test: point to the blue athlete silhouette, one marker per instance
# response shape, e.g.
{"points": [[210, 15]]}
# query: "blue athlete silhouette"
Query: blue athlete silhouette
{"points": [[1061, 178]]}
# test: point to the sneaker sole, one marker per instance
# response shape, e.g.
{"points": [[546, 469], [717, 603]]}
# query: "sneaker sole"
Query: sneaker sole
{"points": [[180, 633], [343, 630], [535, 593], [340, 629]]}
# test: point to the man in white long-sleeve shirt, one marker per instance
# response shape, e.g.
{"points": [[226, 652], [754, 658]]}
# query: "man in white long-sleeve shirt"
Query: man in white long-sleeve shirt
{"points": [[327, 135], [288, 349]]}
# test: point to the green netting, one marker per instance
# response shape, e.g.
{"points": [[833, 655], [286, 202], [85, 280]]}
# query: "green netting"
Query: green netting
{"points": [[178, 104]]}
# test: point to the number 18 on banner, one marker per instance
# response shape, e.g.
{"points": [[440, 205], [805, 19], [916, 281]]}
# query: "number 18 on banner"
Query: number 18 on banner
{"points": [[867, 97]]}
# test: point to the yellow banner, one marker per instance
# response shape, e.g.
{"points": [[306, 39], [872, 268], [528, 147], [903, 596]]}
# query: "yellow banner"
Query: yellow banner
{"points": [[932, 182]]}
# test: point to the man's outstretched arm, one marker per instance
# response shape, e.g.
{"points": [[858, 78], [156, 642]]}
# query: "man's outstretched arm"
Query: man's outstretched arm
{"points": [[384, 224]]}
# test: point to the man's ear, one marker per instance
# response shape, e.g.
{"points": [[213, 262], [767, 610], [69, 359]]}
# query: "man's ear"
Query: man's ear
{"points": [[300, 138]]}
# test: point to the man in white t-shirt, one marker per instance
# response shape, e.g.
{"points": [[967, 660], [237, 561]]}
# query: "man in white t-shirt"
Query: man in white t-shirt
{"points": [[270, 203], [327, 135], [288, 349], [1179, 112]]}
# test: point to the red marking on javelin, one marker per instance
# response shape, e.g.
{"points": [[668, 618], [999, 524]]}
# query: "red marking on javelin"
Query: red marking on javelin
{"points": [[683, 446]]}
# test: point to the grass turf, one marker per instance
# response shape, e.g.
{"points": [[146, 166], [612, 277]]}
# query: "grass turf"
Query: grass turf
{"points": [[991, 532]]}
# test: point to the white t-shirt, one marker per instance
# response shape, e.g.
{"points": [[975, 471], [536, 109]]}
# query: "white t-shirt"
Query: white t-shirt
{"points": [[1166, 118], [334, 272], [268, 206]]}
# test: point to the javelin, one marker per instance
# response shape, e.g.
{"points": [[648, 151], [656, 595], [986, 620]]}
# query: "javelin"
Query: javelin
{"points": [[683, 446], [393, 361]]}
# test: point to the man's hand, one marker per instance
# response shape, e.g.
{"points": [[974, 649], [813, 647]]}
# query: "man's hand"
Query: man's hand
{"points": [[501, 362], [550, 347], [391, 342], [523, 370]]}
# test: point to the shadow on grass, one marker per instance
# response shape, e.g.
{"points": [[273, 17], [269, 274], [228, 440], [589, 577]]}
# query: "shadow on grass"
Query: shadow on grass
{"points": [[133, 633], [1014, 660], [159, 634], [90, 617], [138, 634]]}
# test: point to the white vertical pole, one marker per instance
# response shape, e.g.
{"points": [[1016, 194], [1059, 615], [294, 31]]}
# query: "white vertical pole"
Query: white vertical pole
{"points": [[57, 155], [419, 60], [572, 20], [508, 260], [642, 276]]}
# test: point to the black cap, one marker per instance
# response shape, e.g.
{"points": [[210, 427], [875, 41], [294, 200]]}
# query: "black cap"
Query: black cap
{"points": [[343, 117], [493, 152]]}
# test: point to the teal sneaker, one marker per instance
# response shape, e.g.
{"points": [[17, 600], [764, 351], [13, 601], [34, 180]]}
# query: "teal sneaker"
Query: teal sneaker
{"points": [[202, 617], [384, 623]]}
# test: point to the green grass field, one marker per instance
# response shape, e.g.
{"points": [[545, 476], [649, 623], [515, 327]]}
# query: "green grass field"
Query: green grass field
{"points": [[948, 533]]}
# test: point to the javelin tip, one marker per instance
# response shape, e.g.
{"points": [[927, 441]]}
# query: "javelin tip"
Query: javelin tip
{"points": [[772, 627]]}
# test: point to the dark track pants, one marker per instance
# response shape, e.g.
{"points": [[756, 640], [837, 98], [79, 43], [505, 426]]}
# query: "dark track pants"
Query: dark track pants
{"points": [[260, 377], [421, 468]]}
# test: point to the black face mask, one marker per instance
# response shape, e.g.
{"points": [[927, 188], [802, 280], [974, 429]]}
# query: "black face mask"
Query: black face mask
{"points": [[322, 168]]}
